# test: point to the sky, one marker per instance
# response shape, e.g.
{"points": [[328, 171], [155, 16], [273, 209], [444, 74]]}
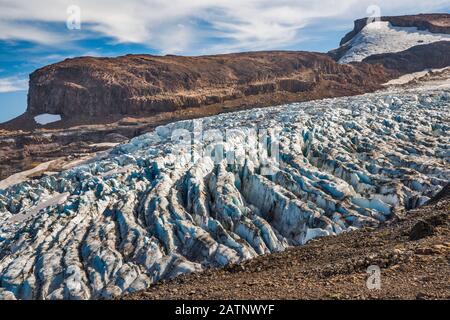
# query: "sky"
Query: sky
{"points": [[37, 33]]}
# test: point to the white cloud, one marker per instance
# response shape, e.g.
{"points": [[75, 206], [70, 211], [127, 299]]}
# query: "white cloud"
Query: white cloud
{"points": [[10, 84], [179, 26], [11, 30]]}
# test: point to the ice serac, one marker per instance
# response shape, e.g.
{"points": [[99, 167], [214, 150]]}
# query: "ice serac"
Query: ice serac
{"points": [[155, 208]]}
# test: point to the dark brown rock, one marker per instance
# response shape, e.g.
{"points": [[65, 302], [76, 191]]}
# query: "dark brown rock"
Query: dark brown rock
{"points": [[434, 55], [435, 23]]}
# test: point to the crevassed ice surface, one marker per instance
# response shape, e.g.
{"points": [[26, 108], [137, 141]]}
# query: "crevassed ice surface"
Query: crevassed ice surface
{"points": [[381, 37], [146, 213]]}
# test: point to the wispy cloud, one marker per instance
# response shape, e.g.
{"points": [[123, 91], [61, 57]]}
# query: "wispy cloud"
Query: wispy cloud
{"points": [[10, 84], [179, 26]]}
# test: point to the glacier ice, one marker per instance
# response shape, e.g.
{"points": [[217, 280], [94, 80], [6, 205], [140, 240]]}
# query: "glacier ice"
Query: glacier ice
{"points": [[156, 208]]}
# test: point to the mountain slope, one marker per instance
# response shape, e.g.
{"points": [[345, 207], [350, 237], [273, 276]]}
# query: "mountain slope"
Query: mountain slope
{"points": [[432, 22]]}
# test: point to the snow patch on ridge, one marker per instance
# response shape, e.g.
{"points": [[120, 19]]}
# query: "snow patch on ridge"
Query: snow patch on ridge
{"points": [[46, 118], [381, 37]]}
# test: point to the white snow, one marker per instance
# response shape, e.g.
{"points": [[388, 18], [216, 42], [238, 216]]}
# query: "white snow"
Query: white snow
{"points": [[46, 118], [381, 37]]}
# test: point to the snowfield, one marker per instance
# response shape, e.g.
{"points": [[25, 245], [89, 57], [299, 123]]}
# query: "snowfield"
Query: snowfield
{"points": [[46, 118], [159, 206], [381, 37]]}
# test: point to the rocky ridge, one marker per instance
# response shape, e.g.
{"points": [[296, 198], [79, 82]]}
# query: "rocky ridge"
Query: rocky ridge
{"points": [[391, 34], [30, 146]]}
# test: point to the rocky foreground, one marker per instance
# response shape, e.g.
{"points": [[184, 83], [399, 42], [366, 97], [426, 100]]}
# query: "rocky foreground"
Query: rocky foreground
{"points": [[221, 190]]}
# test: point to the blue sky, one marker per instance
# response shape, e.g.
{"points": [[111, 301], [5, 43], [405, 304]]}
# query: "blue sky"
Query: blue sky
{"points": [[35, 33]]}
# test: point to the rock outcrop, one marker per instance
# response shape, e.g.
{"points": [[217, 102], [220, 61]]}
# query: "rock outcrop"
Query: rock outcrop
{"points": [[217, 190], [144, 85], [431, 56]]}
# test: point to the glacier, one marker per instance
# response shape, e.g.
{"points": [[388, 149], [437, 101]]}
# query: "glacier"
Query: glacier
{"points": [[381, 37], [46, 118], [199, 193]]}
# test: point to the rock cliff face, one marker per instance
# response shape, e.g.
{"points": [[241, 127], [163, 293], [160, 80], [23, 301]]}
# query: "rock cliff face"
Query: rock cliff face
{"points": [[144, 84]]}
